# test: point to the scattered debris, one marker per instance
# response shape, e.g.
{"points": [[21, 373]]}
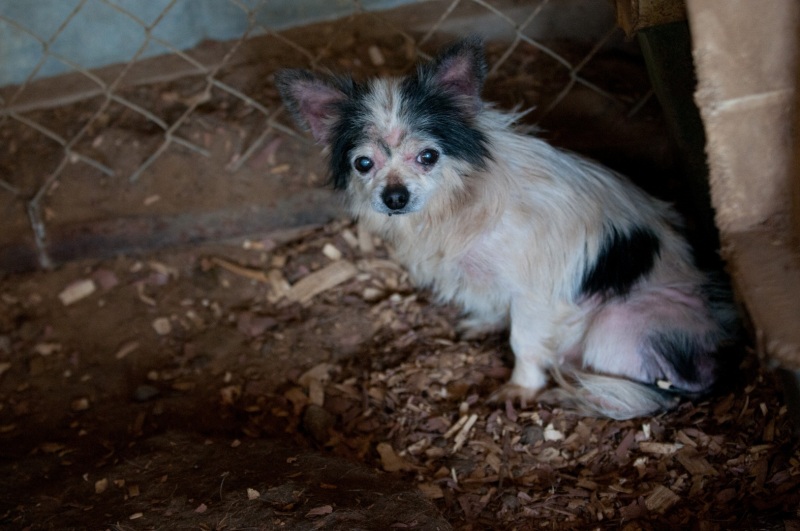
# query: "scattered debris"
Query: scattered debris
{"points": [[162, 326], [80, 404], [80, 289], [331, 251], [661, 499], [145, 392], [100, 485], [46, 349], [376, 56], [326, 278], [241, 271], [319, 511], [126, 349]]}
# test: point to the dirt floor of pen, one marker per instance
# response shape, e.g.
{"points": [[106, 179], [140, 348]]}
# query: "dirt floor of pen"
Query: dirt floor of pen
{"points": [[296, 379]]}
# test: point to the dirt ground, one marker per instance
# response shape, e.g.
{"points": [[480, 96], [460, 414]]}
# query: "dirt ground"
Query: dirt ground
{"points": [[191, 381], [295, 379]]}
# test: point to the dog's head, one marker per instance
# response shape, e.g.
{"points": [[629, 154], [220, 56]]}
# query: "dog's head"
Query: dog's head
{"points": [[395, 143]]}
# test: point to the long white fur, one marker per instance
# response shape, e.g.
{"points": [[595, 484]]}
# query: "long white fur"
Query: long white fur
{"points": [[511, 250], [510, 243]]}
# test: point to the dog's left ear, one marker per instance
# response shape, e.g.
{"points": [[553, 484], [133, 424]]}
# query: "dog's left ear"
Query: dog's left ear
{"points": [[460, 69]]}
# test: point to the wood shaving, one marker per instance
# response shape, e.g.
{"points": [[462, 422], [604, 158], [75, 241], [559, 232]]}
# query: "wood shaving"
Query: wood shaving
{"points": [[76, 291], [321, 281]]}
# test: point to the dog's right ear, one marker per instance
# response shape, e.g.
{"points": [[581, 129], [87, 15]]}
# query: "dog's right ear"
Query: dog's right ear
{"points": [[312, 101]]}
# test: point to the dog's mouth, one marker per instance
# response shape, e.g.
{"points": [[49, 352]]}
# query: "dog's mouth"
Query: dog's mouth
{"points": [[381, 208]]}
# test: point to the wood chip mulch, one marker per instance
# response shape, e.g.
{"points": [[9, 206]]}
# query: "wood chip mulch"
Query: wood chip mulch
{"points": [[413, 402]]}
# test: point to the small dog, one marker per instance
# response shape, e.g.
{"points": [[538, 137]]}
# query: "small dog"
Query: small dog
{"points": [[588, 272]]}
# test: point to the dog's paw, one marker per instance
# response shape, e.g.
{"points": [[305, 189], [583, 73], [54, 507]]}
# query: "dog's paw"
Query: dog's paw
{"points": [[516, 394]]}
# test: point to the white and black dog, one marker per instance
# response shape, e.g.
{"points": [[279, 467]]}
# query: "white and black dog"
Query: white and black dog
{"points": [[586, 270]]}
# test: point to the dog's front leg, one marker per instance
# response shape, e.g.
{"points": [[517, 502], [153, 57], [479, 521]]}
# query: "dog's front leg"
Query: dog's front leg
{"points": [[479, 324], [531, 341], [486, 309]]}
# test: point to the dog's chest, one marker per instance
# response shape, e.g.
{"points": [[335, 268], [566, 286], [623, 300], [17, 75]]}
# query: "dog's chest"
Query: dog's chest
{"points": [[450, 262], [477, 265]]}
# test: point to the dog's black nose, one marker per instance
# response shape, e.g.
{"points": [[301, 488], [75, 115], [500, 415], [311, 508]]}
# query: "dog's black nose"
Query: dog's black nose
{"points": [[395, 197]]}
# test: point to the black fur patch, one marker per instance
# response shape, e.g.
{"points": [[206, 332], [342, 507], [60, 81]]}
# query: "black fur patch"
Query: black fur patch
{"points": [[431, 111], [718, 292], [440, 115], [624, 258], [680, 351], [348, 131], [683, 352]]}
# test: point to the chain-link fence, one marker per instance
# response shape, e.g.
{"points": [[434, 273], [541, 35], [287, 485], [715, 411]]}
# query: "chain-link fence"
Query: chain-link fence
{"points": [[98, 144]]}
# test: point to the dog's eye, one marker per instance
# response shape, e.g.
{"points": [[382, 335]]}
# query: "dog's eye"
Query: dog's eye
{"points": [[363, 164], [428, 157]]}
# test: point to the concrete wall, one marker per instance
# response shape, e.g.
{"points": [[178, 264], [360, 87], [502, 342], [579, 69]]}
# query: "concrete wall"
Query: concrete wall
{"points": [[97, 34]]}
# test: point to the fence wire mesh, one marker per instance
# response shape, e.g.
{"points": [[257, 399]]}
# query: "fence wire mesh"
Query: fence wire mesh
{"points": [[111, 97]]}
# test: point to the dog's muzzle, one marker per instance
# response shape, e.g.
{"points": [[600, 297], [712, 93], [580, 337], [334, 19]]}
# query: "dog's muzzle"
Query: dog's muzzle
{"points": [[395, 198]]}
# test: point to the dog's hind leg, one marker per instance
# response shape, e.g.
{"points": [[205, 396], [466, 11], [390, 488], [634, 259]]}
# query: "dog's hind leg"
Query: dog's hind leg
{"points": [[663, 336], [642, 350]]}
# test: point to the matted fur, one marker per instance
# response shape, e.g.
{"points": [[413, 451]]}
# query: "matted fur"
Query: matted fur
{"points": [[586, 271]]}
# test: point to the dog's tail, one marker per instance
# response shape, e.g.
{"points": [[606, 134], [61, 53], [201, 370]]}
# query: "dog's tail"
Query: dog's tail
{"points": [[607, 396]]}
